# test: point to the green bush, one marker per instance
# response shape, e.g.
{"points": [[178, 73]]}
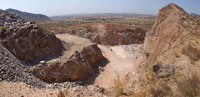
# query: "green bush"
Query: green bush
{"points": [[3, 29]]}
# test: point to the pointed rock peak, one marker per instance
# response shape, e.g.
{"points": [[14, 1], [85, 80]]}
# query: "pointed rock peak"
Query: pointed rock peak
{"points": [[174, 28], [170, 10], [172, 7]]}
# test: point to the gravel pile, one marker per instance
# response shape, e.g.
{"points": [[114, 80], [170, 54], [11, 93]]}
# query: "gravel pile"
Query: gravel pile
{"points": [[11, 69]]}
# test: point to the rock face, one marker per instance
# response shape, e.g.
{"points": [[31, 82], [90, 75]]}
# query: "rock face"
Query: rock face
{"points": [[77, 65], [110, 34], [174, 36], [30, 16], [26, 40]]}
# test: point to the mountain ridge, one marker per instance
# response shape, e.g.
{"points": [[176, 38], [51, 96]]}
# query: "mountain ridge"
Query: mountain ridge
{"points": [[29, 16]]}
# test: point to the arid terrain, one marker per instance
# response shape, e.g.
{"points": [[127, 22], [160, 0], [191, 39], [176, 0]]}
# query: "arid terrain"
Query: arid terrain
{"points": [[101, 55]]}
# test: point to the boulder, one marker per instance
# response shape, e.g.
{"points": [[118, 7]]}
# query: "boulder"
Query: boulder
{"points": [[77, 65], [163, 70]]}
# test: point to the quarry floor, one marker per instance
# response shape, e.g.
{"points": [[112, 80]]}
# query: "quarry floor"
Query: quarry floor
{"points": [[123, 60]]}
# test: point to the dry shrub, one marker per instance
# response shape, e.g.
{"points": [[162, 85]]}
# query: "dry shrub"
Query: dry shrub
{"points": [[192, 53], [140, 94], [105, 91], [189, 86], [62, 94], [121, 86], [162, 90], [155, 87], [118, 87]]}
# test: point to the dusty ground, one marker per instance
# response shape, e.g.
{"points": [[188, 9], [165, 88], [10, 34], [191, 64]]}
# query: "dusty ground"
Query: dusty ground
{"points": [[11, 89], [123, 60]]}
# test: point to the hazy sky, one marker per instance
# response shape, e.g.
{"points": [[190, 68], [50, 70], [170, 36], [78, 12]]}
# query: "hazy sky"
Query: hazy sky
{"points": [[64, 7]]}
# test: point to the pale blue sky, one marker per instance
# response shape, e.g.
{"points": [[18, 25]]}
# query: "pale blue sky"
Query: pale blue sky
{"points": [[64, 7]]}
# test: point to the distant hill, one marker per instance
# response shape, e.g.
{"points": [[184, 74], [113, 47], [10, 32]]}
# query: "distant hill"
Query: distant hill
{"points": [[30, 16]]}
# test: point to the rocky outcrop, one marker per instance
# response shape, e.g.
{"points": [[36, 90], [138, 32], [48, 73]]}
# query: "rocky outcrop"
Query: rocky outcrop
{"points": [[173, 33], [110, 34], [74, 65], [30, 16], [174, 39], [172, 56], [26, 40]]}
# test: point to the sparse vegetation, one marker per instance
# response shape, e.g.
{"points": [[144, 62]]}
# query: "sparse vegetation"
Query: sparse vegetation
{"points": [[118, 87], [162, 90], [189, 85], [104, 91], [62, 94], [192, 53]]}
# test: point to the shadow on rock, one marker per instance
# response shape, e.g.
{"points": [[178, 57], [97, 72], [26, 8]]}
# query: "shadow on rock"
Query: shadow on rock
{"points": [[98, 68]]}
